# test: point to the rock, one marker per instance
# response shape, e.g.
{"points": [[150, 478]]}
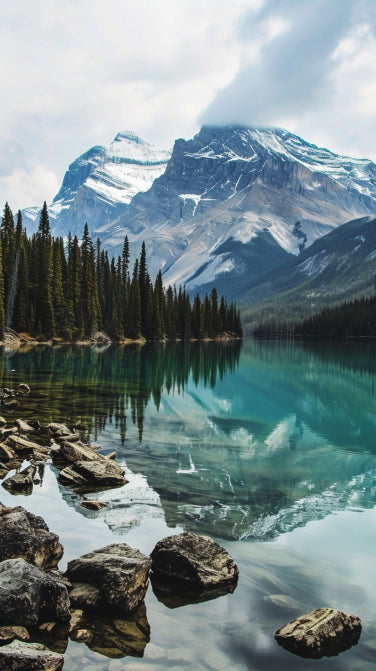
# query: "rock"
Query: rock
{"points": [[27, 595], [25, 535], [88, 475], [323, 633], [82, 595], [6, 452], [194, 560], [72, 437], [21, 482], [23, 388], [23, 656], [55, 429], [23, 426], [21, 444], [92, 505], [2, 421], [176, 596], [3, 470], [12, 404], [73, 452], [119, 572], [8, 634], [110, 634]]}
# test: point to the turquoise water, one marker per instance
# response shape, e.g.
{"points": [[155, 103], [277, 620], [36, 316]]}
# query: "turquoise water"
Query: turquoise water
{"points": [[267, 447]]}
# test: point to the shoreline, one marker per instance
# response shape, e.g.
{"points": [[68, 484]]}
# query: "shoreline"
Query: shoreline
{"points": [[15, 341]]}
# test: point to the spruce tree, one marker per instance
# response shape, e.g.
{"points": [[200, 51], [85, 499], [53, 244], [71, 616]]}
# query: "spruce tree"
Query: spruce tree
{"points": [[45, 311], [89, 286]]}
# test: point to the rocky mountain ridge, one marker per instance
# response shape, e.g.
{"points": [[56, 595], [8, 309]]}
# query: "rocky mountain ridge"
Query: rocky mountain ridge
{"points": [[225, 207]]}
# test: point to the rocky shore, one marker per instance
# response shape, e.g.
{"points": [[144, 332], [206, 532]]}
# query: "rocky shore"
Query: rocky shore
{"points": [[99, 600]]}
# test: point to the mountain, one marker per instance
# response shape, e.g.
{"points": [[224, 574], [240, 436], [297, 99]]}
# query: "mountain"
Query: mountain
{"points": [[225, 208], [99, 185], [234, 202], [338, 267]]}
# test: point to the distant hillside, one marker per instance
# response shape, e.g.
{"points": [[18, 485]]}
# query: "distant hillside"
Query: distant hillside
{"points": [[338, 267]]}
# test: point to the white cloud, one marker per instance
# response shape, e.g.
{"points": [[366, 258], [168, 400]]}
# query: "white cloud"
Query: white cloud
{"points": [[27, 183], [77, 72]]}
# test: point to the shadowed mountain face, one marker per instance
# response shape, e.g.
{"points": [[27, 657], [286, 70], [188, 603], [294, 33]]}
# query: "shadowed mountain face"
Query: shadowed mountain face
{"points": [[227, 206], [339, 266]]}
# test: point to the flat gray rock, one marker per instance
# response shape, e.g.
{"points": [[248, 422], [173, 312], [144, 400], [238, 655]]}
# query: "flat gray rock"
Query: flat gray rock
{"points": [[86, 475], [23, 656], [323, 633], [118, 572], [194, 560], [29, 596]]}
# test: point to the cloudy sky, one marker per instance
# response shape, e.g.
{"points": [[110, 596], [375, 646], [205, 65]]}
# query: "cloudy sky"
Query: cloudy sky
{"points": [[74, 73]]}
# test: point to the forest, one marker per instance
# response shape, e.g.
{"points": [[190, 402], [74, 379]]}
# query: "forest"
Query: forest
{"points": [[51, 287], [351, 319]]}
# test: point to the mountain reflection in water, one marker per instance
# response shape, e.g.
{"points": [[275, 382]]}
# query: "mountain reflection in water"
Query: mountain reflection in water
{"points": [[237, 442]]}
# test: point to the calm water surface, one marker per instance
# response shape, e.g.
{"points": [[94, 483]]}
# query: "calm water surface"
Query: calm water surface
{"points": [[267, 447]]}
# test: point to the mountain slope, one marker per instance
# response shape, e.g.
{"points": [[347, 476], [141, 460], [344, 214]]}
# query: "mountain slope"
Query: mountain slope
{"points": [[239, 185], [339, 266], [99, 185]]}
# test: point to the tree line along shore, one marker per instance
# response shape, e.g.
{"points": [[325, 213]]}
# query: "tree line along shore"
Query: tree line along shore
{"points": [[51, 287]]}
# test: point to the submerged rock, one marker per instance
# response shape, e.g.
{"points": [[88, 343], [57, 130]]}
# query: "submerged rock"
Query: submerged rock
{"points": [[112, 634], [323, 633], [176, 596], [6, 452], [9, 633], [92, 505], [27, 595], [21, 482], [194, 560], [24, 656], [25, 535], [118, 573]]}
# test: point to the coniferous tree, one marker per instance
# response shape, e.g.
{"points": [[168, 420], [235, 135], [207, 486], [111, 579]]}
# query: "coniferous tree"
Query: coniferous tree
{"points": [[89, 286], [134, 320], [2, 316], [74, 274], [58, 297], [21, 312], [10, 261], [45, 311]]}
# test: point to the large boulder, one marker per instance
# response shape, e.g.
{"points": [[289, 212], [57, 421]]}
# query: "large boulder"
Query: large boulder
{"points": [[92, 475], [25, 535], [29, 596], [323, 633], [194, 561], [118, 576], [23, 656]]}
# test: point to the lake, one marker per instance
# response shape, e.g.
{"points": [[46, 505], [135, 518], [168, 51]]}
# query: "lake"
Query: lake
{"points": [[268, 447]]}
